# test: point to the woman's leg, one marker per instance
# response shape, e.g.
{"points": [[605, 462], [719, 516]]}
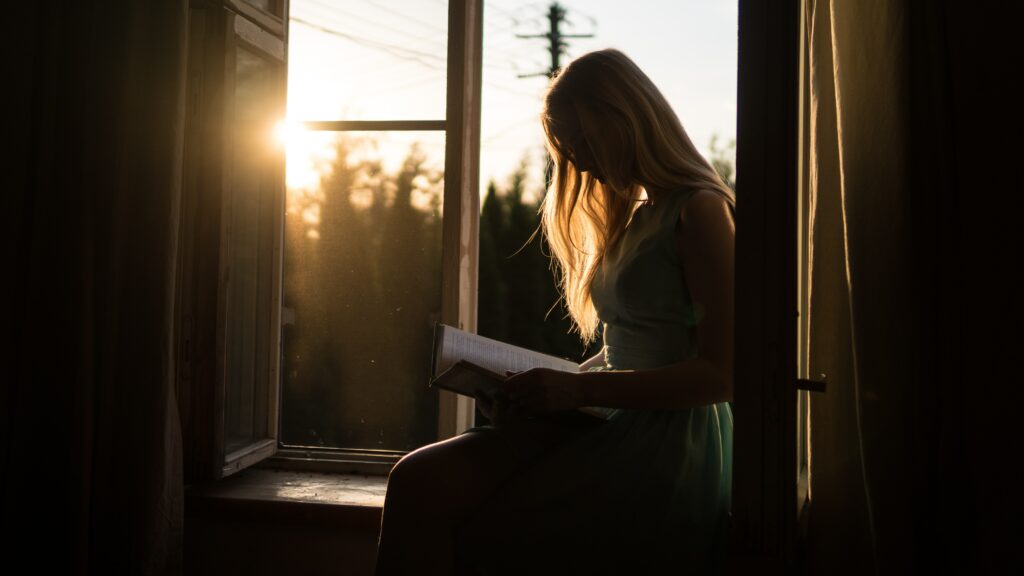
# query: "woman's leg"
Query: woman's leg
{"points": [[431, 490]]}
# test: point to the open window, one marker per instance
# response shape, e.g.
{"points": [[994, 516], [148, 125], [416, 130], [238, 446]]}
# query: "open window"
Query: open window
{"points": [[292, 309], [381, 227], [236, 316], [229, 280]]}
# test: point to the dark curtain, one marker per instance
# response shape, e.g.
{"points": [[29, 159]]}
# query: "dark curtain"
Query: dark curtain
{"points": [[91, 437], [913, 444]]}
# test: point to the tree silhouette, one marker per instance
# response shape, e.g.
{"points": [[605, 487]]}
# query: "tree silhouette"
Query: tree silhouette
{"points": [[363, 289], [722, 160], [518, 300], [363, 281]]}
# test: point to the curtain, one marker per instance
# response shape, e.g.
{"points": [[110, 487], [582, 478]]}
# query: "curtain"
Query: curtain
{"points": [[860, 278], [909, 443], [92, 463]]}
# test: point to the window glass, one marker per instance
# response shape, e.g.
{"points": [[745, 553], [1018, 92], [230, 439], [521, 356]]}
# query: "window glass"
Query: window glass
{"points": [[367, 60], [362, 289], [249, 213], [265, 5]]}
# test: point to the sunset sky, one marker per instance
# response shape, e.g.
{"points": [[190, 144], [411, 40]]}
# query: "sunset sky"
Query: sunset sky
{"points": [[385, 60]]}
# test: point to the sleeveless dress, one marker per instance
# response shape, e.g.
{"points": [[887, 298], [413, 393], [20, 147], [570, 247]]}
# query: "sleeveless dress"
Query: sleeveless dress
{"points": [[645, 492]]}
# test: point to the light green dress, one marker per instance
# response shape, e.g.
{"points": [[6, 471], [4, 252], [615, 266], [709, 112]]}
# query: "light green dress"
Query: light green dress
{"points": [[646, 492]]}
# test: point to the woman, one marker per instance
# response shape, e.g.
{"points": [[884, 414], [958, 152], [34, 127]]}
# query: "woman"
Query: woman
{"points": [[641, 227]]}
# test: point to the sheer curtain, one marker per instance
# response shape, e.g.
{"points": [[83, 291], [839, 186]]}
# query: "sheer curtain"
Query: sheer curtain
{"points": [[909, 440], [860, 276]]}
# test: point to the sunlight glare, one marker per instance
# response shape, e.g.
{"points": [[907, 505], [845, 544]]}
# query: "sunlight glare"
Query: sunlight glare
{"points": [[286, 132]]}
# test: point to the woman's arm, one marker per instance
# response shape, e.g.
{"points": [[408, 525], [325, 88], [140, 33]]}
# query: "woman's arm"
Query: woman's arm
{"points": [[705, 244], [694, 382]]}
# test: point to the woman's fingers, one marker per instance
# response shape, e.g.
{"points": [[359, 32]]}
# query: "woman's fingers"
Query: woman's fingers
{"points": [[543, 390], [527, 388], [486, 407], [500, 410]]}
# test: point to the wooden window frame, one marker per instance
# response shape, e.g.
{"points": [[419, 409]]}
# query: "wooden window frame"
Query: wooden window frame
{"points": [[765, 533], [272, 21], [216, 30], [216, 27], [460, 231], [803, 408]]}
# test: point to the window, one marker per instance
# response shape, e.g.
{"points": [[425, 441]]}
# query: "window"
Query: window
{"points": [[229, 280], [233, 308], [385, 241], [243, 315]]}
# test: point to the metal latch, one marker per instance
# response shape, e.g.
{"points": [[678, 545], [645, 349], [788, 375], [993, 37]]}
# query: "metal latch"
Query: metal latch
{"points": [[810, 385]]}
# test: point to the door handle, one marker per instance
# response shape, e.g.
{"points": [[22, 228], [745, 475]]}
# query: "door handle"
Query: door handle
{"points": [[810, 385]]}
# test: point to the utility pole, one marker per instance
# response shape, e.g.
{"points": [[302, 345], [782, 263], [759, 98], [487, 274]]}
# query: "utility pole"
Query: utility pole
{"points": [[557, 46], [556, 16]]}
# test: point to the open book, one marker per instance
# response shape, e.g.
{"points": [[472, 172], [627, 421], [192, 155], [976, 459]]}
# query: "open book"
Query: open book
{"points": [[475, 366]]}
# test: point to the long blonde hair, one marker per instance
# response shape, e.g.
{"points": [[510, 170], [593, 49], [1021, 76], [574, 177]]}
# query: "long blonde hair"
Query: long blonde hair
{"points": [[635, 137]]}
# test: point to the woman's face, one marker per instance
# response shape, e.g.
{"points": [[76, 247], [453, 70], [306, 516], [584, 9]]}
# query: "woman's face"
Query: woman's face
{"points": [[572, 139]]}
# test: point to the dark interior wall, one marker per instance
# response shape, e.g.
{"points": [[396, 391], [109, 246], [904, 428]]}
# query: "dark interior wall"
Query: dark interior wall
{"points": [[91, 447], [964, 119], [230, 537]]}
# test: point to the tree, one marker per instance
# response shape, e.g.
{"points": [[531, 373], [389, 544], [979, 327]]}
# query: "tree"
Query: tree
{"points": [[518, 300], [723, 160], [362, 275]]}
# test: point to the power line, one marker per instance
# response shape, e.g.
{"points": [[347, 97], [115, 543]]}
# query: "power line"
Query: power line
{"points": [[501, 133], [405, 16], [556, 48], [393, 49], [510, 90], [504, 62], [409, 36]]}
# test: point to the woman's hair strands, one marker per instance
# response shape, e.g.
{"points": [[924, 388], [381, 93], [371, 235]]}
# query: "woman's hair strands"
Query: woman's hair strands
{"points": [[635, 137]]}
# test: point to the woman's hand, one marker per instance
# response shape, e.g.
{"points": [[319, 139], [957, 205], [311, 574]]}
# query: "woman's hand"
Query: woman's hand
{"points": [[499, 409], [544, 390]]}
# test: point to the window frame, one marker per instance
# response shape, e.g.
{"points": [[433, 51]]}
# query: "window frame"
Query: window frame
{"points": [[272, 21], [460, 231], [765, 515], [764, 532], [217, 29], [803, 422]]}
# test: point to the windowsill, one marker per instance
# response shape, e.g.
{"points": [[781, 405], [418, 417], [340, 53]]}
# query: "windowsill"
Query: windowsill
{"points": [[293, 497]]}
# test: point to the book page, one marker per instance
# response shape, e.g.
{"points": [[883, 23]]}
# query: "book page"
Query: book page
{"points": [[454, 345], [469, 380]]}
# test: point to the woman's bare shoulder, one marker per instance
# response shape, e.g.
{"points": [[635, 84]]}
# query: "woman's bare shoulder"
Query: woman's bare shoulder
{"points": [[704, 207]]}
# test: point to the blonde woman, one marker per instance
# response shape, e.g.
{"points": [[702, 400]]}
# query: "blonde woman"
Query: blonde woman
{"points": [[642, 231]]}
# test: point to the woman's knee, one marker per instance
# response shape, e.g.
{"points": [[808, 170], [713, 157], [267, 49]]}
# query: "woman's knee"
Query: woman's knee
{"points": [[449, 477], [413, 475]]}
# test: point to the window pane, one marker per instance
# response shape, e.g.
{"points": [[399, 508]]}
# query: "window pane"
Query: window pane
{"points": [[367, 60], [362, 289], [250, 232], [265, 5]]}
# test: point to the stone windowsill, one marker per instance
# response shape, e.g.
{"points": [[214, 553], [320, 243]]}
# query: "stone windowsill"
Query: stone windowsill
{"points": [[289, 496]]}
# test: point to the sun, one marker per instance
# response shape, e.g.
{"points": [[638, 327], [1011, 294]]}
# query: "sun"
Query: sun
{"points": [[287, 133], [307, 153]]}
